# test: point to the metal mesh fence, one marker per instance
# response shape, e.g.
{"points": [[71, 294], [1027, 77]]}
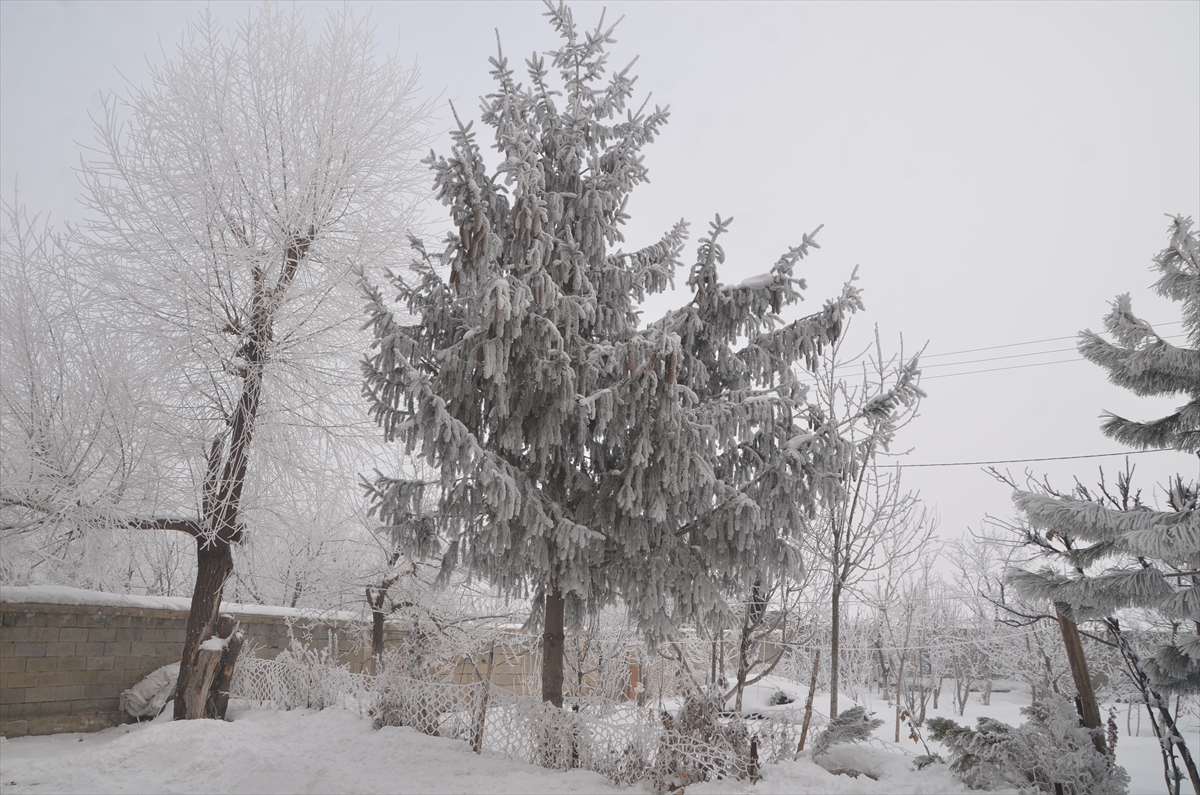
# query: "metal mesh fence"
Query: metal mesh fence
{"points": [[615, 737]]}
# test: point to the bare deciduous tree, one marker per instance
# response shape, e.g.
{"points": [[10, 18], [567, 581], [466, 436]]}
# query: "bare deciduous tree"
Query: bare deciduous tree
{"points": [[235, 202], [865, 519]]}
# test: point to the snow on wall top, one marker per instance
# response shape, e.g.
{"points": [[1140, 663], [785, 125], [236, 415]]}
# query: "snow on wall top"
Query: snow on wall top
{"points": [[62, 595]]}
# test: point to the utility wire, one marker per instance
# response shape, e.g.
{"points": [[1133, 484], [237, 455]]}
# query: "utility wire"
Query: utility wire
{"points": [[999, 369], [1013, 356], [997, 358], [1031, 342], [1001, 358], [998, 347], [1032, 460]]}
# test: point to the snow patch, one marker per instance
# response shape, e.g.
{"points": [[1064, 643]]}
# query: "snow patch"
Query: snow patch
{"points": [[215, 644], [758, 282], [799, 440], [62, 595]]}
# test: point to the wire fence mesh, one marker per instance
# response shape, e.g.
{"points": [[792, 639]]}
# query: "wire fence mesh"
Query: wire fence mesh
{"points": [[689, 740]]}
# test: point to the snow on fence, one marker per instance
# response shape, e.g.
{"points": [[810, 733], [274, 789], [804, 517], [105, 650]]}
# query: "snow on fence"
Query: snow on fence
{"points": [[691, 740]]}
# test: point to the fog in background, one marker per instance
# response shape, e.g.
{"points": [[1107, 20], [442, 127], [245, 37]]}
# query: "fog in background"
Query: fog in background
{"points": [[999, 172]]}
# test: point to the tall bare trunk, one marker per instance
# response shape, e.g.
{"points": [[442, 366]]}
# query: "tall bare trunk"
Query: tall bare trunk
{"points": [[553, 640], [835, 645], [221, 521]]}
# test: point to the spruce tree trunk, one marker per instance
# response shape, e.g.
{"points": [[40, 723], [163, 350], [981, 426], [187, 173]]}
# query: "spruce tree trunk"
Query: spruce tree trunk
{"points": [[376, 639], [214, 560], [743, 669], [553, 640]]}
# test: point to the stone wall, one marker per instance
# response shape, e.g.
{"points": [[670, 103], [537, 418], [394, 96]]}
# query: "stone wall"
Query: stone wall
{"points": [[63, 666]]}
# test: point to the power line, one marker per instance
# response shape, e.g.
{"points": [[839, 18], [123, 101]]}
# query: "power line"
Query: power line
{"points": [[998, 347], [1014, 356], [925, 378], [999, 369], [998, 358], [1031, 342], [1001, 358], [1032, 460]]}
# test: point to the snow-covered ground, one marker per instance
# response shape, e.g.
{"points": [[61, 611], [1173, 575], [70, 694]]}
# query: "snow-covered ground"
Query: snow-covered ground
{"points": [[337, 751]]}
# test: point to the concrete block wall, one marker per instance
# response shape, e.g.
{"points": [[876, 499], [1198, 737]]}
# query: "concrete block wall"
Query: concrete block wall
{"points": [[63, 667]]}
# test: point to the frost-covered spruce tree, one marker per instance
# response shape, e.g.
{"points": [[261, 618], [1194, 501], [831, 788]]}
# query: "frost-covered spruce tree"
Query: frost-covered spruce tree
{"points": [[583, 456], [1118, 553]]}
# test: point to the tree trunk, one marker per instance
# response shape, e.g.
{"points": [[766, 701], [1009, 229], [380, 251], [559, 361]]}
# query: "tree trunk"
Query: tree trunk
{"points": [[376, 639], [808, 702], [218, 695], [223, 486], [712, 672], [835, 643], [1170, 739], [1079, 672], [883, 666], [743, 668], [214, 565], [553, 639]]}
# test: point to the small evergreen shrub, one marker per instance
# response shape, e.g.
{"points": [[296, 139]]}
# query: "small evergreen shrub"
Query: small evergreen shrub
{"points": [[852, 726], [1049, 749]]}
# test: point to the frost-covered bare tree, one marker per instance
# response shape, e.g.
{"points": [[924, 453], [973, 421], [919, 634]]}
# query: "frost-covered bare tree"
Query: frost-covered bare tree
{"points": [[1112, 552], [866, 520], [985, 599], [584, 457], [234, 202], [75, 416]]}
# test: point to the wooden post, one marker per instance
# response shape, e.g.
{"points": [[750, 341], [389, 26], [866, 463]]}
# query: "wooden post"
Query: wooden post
{"points": [[1079, 672]]}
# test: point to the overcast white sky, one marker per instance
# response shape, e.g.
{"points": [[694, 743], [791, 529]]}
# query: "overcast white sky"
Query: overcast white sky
{"points": [[1000, 171]]}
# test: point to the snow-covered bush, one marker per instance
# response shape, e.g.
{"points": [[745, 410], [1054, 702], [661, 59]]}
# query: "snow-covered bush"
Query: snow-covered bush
{"points": [[1047, 751], [302, 676], [699, 745], [851, 726]]}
